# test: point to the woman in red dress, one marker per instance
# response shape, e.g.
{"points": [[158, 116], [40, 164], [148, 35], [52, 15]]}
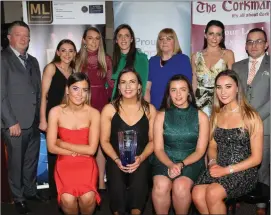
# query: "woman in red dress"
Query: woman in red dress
{"points": [[93, 61], [78, 126]]}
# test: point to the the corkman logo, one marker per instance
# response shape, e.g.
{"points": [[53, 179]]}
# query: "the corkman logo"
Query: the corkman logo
{"points": [[40, 12], [203, 7]]}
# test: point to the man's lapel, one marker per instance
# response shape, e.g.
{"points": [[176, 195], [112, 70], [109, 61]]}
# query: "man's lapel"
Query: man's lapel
{"points": [[264, 67]]}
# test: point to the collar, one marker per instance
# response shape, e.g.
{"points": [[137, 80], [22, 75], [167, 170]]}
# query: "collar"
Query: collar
{"points": [[17, 53], [259, 59]]}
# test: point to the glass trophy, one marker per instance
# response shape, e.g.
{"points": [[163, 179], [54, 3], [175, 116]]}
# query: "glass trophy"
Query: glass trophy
{"points": [[127, 146]]}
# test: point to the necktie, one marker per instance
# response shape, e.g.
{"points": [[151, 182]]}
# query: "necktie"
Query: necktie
{"points": [[27, 66], [23, 57], [252, 72]]}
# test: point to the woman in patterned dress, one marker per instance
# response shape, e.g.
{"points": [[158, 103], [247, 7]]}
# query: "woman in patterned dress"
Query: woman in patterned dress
{"points": [[235, 149], [209, 62]]}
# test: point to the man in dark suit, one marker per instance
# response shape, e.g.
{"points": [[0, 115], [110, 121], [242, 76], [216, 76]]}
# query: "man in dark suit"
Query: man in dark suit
{"points": [[20, 95], [254, 73]]}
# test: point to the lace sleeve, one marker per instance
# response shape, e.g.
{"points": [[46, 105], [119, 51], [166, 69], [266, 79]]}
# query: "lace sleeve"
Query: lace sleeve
{"points": [[110, 82]]}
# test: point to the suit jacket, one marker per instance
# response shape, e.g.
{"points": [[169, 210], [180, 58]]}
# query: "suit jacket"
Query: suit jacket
{"points": [[258, 93], [20, 90]]}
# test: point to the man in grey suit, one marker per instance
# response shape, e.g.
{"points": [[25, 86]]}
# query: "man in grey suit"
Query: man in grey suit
{"points": [[20, 95], [254, 73]]}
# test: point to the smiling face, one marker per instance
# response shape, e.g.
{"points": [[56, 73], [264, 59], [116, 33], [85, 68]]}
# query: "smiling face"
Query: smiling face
{"points": [[178, 92], [78, 93], [66, 53], [166, 43], [19, 38], [124, 40], [256, 44], [214, 36], [226, 90], [129, 85], [92, 40]]}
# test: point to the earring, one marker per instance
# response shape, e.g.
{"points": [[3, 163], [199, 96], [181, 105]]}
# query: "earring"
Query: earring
{"points": [[85, 46]]}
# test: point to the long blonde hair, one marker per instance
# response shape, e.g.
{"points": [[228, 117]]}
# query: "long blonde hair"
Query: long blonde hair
{"points": [[168, 32], [246, 110], [81, 58]]}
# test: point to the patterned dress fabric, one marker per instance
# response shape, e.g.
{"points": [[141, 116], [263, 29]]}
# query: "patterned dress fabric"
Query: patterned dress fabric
{"points": [[100, 93], [233, 146], [206, 80]]}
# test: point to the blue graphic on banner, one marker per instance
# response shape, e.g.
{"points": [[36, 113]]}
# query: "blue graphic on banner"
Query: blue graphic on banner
{"points": [[42, 175]]}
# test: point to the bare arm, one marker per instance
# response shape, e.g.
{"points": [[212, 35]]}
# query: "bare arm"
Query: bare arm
{"points": [[47, 76], [230, 59], [212, 151], [194, 72], [106, 117], [52, 133], [147, 96], [94, 133], [159, 140], [149, 147], [202, 140]]}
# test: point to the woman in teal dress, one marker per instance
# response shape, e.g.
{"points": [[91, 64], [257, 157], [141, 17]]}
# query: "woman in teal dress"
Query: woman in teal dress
{"points": [[180, 141], [126, 55]]}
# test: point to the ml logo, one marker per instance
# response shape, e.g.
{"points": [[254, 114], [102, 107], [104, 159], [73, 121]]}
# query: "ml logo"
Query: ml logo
{"points": [[39, 12]]}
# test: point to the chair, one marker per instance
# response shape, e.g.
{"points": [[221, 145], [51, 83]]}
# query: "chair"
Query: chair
{"points": [[261, 194]]}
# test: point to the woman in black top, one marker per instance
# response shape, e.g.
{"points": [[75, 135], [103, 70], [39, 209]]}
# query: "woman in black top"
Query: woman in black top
{"points": [[54, 80], [128, 111]]}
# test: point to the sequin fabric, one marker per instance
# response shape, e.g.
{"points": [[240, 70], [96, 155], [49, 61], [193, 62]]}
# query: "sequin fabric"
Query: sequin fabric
{"points": [[233, 146]]}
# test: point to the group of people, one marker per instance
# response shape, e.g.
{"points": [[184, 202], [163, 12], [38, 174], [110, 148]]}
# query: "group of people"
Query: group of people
{"points": [[202, 126]]}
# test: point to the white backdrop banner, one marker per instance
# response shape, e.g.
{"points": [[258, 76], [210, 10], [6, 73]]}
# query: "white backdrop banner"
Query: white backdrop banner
{"points": [[148, 18], [238, 17]]}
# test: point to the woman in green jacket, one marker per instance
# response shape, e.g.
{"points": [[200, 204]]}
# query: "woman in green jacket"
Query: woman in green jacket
{"points": [[126, 55]]}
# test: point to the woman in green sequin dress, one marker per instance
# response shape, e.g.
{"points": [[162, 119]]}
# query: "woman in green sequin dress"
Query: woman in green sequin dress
{"points": [[180, 141]]}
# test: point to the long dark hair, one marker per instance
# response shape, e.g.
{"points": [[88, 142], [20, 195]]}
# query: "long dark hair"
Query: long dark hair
{"points": [[118, 97], [74, 78], [57, 58], [220, 25], [117, 52], [167, 102]]}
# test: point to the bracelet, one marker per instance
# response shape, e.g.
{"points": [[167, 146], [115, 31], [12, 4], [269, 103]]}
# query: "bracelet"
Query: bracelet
{"points": [[182, 164], [116, 159], [213, 159], [231, 169]]}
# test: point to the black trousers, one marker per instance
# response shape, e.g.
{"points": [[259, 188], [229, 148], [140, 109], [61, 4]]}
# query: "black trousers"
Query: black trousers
{"points": [[127, 191], [51, 169], [23, 155]]}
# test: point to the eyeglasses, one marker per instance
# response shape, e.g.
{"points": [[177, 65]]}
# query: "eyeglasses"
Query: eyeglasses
{"points": [[256, 42]]}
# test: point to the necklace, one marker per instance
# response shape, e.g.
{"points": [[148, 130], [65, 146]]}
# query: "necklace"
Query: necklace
{"points": [[232, 111]]}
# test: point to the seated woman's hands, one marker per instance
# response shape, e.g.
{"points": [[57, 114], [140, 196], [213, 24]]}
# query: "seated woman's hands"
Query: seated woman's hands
{"points": [[217, 171], [175, 169], [133, 167], [120, 166]]}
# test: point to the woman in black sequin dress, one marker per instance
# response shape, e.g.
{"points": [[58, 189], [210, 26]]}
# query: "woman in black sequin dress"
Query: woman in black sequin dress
{"points": [[235, 149]]}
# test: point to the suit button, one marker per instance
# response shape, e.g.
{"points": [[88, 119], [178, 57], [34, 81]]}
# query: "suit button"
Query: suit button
{"points": [[34, 104]]}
